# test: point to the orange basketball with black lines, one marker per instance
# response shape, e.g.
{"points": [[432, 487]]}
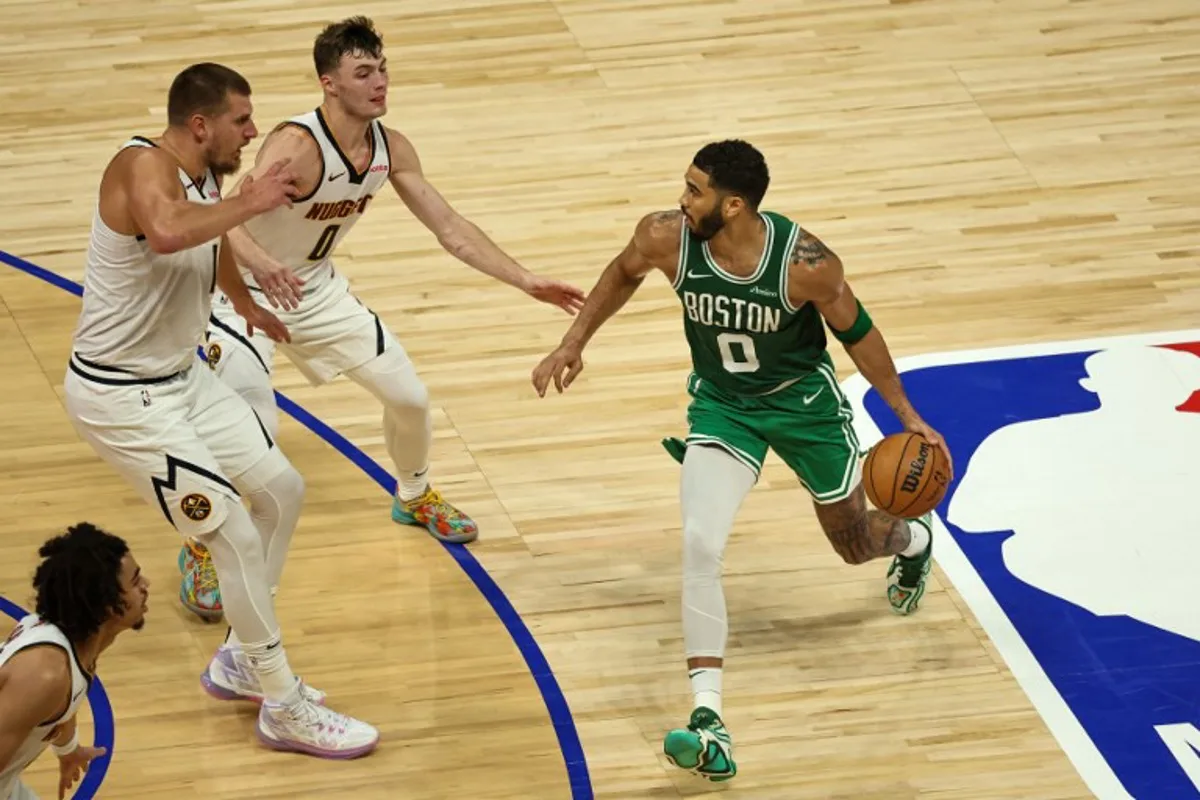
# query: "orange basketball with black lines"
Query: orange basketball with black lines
{"points": [[905, 475]]}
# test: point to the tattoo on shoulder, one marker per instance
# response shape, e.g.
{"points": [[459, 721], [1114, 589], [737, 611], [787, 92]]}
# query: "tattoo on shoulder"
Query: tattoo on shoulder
{"points": [[809, 250], [662, 217]]}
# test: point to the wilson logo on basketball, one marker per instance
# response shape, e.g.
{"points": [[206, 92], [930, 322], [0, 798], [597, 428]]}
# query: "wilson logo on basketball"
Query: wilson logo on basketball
{"points": [[905, 476], [916, 468]]}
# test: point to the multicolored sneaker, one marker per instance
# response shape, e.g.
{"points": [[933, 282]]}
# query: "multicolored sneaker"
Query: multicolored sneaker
{"points": [[906, 576], [704, 748], [443, 521], [304, 727], [199, 590], [229, 676]]}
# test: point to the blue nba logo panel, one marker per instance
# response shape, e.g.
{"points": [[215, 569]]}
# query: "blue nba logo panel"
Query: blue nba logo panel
{"points": [[1073, 507]]}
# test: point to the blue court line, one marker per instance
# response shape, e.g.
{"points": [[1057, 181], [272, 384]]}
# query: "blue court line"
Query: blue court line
{"points": [[102, 722], [556, 704]]}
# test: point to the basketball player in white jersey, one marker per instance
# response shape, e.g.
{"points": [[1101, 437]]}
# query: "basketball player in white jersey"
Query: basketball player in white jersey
{"points": [[140, 396], [344, 157], [89, 591]]}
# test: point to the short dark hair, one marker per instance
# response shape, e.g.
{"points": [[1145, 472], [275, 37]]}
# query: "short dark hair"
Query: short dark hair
{"points": [[203, 89], [353, 36], [735, 167], [78, 582]]}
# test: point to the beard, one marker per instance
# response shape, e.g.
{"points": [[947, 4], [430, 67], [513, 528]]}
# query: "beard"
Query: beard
{"points": [[226, 165], [709, 225]]}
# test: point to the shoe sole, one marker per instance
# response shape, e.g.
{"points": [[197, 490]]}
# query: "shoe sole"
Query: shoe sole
{"points": [[401, 518], [221, 693], [307, 749]]}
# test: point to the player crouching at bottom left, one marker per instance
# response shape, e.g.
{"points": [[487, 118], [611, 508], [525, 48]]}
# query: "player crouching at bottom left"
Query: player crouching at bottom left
{"points": [[90, 590]]}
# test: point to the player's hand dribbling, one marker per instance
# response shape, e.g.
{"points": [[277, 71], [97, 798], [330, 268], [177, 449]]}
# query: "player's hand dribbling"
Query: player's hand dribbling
{"points": [[274, 188], [565, 358], [259, 318], [918, 425], [556, 293], [72, 766]]}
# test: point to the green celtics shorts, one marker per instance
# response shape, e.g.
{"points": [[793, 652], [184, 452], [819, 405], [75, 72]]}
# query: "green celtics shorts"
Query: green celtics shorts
{"points": [[807, 424]]}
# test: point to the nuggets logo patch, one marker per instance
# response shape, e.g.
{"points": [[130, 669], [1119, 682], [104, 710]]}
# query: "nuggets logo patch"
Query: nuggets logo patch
{"points": [[213, 354], [195, 507]]}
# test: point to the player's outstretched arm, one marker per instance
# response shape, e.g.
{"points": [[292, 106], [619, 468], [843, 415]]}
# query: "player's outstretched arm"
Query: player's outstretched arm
{"points": [[294, 145], [462, 238], [159, 209], [654, 245], [35, 686], [816, 274]]}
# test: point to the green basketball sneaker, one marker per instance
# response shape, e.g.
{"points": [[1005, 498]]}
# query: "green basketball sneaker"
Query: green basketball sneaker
{"points": [[704, 748], [906, 576]]}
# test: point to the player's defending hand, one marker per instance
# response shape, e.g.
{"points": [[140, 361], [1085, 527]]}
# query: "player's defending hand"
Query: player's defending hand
{"points": [[260, 318], [274, 188], [566, 357], [277, 281], [556, 293]]}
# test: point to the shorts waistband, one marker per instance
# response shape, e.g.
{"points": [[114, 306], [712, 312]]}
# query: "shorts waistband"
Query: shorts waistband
{"points": [[115, 376]]}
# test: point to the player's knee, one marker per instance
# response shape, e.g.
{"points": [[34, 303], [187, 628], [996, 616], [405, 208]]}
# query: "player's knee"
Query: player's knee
{"points": [[407, 393], [393, 378], [703, 555], [289, 487], [235, 541]]}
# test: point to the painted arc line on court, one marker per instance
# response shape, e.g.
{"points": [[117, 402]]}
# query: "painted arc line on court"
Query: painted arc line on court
{"points": [[104, 729], [561, 718]]}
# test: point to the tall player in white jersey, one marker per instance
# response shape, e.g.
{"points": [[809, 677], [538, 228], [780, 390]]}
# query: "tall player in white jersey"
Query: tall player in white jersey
{"points": [[344, 156], [89, 591], [140, 396]]}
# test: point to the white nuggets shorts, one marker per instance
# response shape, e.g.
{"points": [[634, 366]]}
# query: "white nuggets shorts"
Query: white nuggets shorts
{"points": [[186, 442], [332, 332]]}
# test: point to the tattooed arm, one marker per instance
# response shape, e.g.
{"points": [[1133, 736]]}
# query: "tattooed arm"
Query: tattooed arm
{"points": [[816, 275]]}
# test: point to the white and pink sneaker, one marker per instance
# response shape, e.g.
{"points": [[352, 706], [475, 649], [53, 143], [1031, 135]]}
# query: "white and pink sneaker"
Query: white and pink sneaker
{"points": [[304, 727]]}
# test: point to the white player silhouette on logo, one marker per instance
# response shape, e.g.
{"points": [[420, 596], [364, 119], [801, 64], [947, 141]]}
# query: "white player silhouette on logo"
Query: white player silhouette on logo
{"points": [[1101, 503]]}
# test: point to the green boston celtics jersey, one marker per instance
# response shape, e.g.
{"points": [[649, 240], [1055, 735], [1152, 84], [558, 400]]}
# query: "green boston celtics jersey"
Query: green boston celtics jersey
{"points": [[745, 337]]}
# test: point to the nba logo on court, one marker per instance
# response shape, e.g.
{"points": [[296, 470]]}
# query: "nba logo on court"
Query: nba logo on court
{"points": [[1072, 530]]}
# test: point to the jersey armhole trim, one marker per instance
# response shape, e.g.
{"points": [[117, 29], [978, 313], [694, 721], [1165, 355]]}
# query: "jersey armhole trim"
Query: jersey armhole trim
{"points": [[381, 135], [785, 267], [320, 152], [681, 265]]}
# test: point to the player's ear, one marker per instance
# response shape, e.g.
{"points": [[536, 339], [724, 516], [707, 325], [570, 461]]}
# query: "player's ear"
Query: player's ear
{"points": [[326, 83], [198, 125], [732, 205]]}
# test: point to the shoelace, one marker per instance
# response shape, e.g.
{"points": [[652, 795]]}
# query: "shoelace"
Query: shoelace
{"points": [[207, 578]]}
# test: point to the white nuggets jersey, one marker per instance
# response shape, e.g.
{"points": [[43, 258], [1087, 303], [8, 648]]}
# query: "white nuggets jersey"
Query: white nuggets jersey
{"points": [[303, 236], [144, 314], [32, 631]]}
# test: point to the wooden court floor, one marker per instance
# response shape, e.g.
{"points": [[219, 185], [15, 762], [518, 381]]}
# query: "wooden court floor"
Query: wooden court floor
{"points": [[990, 172]]}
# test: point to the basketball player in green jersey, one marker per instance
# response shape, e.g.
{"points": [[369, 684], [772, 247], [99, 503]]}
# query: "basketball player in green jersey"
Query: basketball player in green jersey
{"points": [[757, 293]]}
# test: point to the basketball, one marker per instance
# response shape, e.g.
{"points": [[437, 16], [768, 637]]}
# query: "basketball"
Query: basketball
{"points": [[905, 475]]}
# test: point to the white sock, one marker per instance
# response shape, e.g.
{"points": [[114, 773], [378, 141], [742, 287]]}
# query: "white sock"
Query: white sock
{"points": [[412, 485], [274, 673], [918, 542], [706, 687]]}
